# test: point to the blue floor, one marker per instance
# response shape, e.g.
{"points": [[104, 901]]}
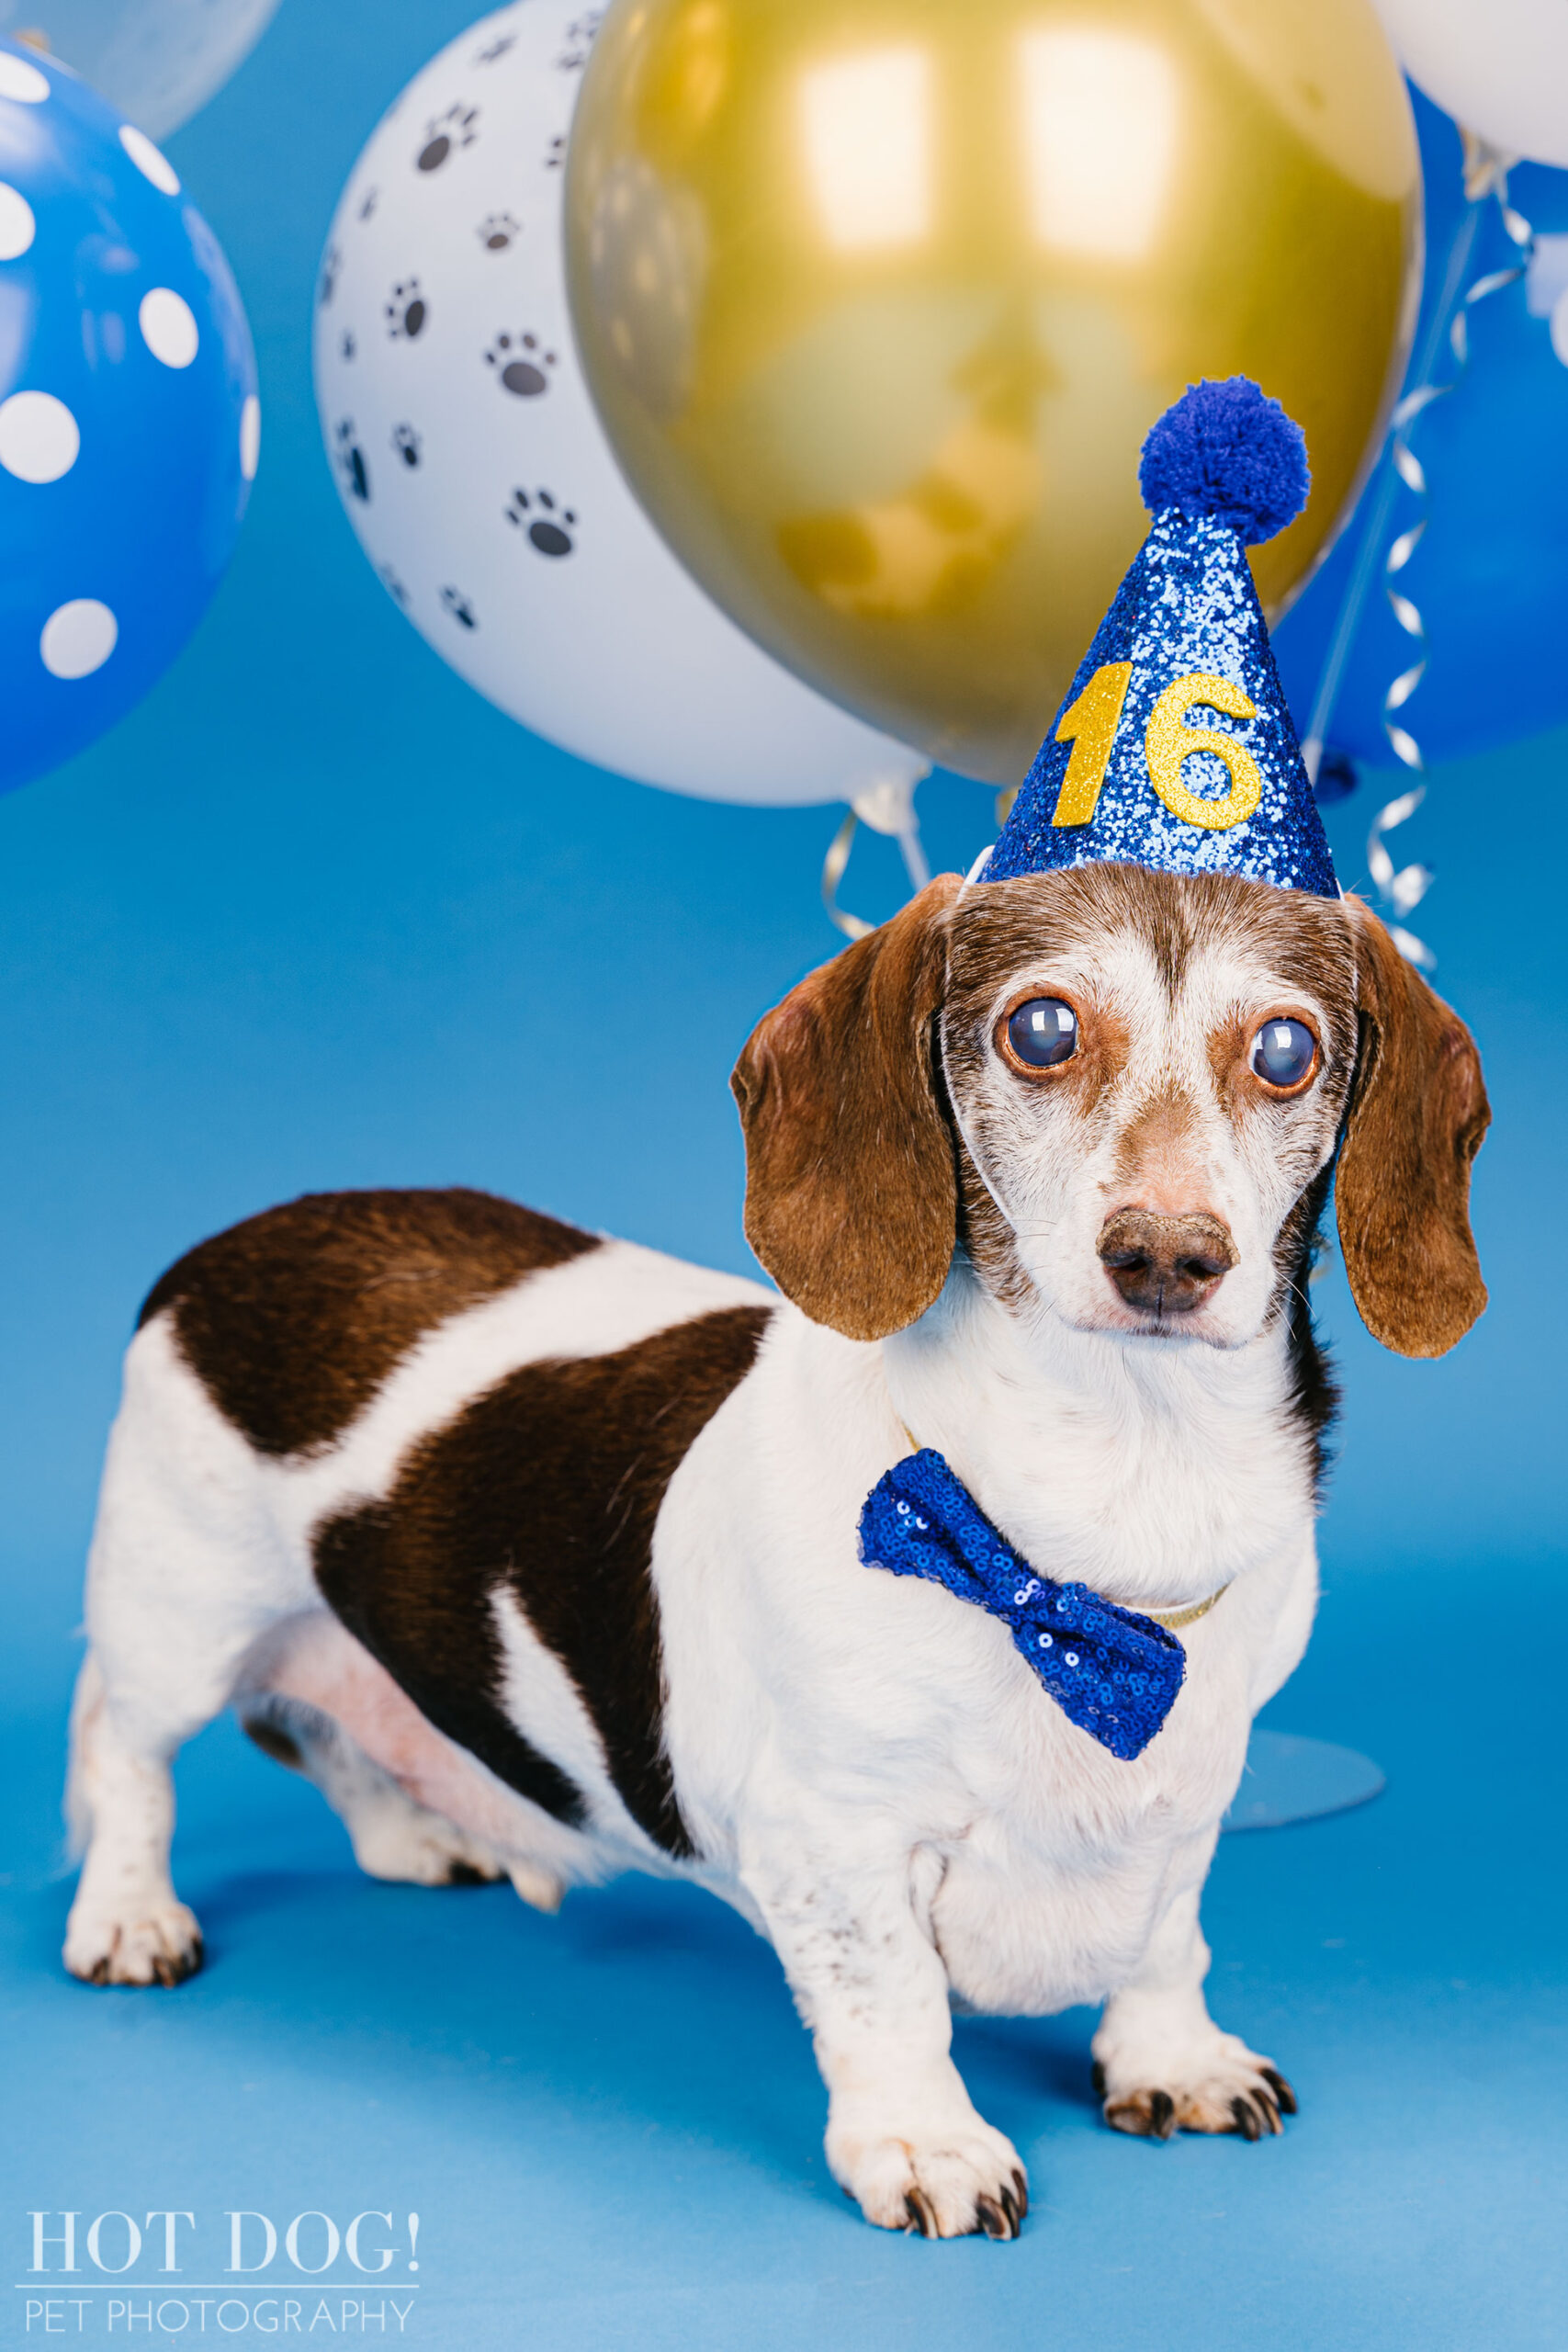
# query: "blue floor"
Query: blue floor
{"points": [[610, 2123], [315, 916]]}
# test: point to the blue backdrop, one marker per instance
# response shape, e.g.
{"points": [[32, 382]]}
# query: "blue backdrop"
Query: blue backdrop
{"points": [[314, 916]]}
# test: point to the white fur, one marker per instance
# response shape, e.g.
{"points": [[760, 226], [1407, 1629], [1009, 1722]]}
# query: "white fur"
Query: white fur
{"points": [[867, 1767]]}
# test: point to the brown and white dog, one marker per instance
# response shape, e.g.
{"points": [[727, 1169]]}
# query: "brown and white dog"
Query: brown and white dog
{"points": [[537, 1552]]}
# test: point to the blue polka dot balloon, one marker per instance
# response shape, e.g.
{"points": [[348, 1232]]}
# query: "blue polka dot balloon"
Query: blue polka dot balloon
{"points": [[130, 425]]}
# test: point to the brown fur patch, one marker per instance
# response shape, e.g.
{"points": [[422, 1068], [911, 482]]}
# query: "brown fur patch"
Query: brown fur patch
{"points": [[850, 1198], [1417, 1115], [293, 1319], [548, 1487]]}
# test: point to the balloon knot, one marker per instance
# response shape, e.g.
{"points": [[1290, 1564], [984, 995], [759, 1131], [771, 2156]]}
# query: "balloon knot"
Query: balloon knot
{"points": [[1228, 451]]}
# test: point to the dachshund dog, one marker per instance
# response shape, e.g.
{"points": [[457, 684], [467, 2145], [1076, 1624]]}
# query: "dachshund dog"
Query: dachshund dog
{"points": [[537, 1551]]}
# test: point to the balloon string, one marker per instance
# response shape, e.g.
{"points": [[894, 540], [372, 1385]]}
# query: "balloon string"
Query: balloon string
{"points": [[1349, 617], [833, 864], [1486, 177], [887, 807]]}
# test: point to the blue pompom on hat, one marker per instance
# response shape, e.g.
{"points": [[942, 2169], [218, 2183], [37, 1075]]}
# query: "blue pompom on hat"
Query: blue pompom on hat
{"points": [[1227, 450], [1174, 748]]}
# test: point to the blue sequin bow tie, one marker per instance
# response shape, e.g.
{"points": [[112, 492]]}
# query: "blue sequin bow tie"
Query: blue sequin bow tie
{"points": [[1111, 1672]]}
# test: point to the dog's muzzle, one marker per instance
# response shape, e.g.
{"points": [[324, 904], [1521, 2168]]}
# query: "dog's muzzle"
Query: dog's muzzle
{"points": [[1166, 1265]]}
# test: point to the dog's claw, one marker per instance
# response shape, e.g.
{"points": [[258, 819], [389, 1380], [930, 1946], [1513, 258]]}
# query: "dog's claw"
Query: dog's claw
{"points": [[1021, 2192], [922, 2218], [1246, 2121], [171, 1971], [992, 2219], [1097, 2077], [1285, 2097], [1147, 2115]]}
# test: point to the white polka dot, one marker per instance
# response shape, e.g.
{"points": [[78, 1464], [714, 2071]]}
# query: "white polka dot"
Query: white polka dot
{"points": [[39, 439], [21, 80], [249, 437], [168, 326], [17, 222], [149, 160], [78, 639]]}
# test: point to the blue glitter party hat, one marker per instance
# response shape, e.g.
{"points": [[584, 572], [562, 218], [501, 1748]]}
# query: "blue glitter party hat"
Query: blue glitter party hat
{"points": [[1174, 748]]}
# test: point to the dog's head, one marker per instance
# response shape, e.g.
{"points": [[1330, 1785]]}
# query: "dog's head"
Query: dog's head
{"points": [[1121, 1094]]}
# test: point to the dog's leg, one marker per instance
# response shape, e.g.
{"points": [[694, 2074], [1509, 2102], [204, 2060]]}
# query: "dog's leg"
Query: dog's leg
{"points": [[185, 1572], [1160, 2062], [903, 2137], [127, 1925], [393, 1836]]}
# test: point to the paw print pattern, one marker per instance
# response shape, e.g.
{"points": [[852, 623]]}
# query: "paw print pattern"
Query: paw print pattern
{"points": [[496, 49], [496, 231], [331, 264], [372, 197], [579, 40], [394, 587], [520, 362], [346, 344], [406, 312], [555, 153], [446, 134], [407, 444], [549, 526], [457, 604], [351, 457]]}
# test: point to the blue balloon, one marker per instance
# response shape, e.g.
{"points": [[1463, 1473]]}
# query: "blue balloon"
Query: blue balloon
{"points": [[128, 419], [1490, 575]]}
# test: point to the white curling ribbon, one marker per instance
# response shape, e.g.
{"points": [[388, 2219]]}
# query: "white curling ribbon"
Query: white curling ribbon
{"points": [[887, 807], [1487, 176], [1486, 170], [1408, 410], [1414, 950], [1404, 889], [1492, 283], [1405, 545], [1404, 686], [1408, 467]]}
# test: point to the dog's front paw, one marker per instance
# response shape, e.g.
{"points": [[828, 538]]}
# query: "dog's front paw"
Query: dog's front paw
{"points": [[155, 1943], [1221, 2085], [943, 2184]]}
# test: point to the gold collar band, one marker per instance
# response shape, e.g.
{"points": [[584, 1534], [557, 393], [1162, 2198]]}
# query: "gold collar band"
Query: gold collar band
{"points": [[1172, 1618]]}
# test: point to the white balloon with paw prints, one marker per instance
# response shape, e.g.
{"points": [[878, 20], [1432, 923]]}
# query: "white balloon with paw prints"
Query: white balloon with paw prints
{"points": [[472, 466]]}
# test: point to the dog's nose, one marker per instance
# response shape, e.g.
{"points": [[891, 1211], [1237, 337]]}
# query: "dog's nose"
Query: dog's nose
{"points": [[1166, 1265]]}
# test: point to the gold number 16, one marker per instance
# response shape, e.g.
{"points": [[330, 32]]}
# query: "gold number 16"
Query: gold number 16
{"points": [[1089, 725]]}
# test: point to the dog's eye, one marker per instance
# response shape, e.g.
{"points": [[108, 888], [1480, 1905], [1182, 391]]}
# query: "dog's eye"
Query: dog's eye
{"points": [[1283, 1053], [1044, 1032]]}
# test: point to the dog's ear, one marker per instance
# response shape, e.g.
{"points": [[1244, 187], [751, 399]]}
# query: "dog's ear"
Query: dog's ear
{"points": [[1417, 1112], [851, 1194]]}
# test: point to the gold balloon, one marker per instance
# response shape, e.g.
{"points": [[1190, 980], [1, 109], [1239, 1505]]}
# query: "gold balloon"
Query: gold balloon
{"points": [[878, 299]]}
